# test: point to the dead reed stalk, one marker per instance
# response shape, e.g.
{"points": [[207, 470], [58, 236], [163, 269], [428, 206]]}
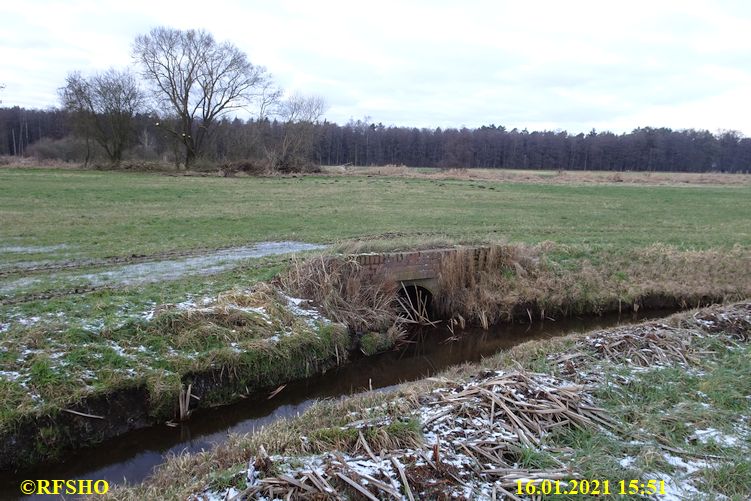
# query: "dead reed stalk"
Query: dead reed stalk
{"points": [[184, 402]]}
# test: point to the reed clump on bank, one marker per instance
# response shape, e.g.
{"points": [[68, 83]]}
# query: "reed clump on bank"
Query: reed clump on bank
{"points": [[337, 286], [508, 282]]}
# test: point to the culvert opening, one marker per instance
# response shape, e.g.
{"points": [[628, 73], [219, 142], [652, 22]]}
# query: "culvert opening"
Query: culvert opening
{"points": [[415, 304]]}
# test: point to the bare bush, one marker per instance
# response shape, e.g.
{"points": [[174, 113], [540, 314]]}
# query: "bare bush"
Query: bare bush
{"points": [[104, 106], [293, 151], [67, 149]]}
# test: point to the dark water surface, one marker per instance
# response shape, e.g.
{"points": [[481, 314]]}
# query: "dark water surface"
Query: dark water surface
{"points": [[131, 457]]}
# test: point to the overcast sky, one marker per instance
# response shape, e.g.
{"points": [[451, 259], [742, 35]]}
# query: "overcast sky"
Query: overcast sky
{"points": [[541, 65]]}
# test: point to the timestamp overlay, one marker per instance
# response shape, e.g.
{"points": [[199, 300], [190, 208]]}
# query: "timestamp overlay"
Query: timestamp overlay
{"points": [[590, 487]]}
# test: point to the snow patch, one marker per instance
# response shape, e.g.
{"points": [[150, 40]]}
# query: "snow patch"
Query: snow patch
{"points": [[713, 435]]}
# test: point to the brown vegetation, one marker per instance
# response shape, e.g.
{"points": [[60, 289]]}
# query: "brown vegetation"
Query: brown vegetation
{"points": [[550, 177], [513, 282], [516, 281], [337, 286]]}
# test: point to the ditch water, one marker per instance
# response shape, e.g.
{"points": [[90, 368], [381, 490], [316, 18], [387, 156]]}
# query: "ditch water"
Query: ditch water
{"points": [[131, 457]]}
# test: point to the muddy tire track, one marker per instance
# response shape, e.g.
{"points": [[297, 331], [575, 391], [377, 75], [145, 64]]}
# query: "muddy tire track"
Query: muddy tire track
{"points": [[52, 294]]}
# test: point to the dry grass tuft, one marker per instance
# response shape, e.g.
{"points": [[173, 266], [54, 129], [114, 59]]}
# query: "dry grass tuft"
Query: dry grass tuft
{"points": [[508, 282], [475, 285], [337, 286]]}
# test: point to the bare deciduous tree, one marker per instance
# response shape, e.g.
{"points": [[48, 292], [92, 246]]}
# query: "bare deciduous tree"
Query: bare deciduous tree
{"points": [[197, 80], [104, 106], [300, 115]]}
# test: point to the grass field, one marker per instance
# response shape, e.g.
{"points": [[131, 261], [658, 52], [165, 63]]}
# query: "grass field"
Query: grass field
{"points": [[83, 224], [69, 237], [99, 214]]}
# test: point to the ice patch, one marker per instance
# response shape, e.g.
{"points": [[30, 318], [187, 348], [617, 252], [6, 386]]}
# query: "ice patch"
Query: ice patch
{"points": [[688, 466], [156, 271], [10, 375], [27, 321], [94, 326], [675, 489], [30, 249], [118, 349]]}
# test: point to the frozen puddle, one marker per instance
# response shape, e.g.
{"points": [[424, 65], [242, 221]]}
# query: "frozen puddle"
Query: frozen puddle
{"points": [[19, 249], [172, 269]]}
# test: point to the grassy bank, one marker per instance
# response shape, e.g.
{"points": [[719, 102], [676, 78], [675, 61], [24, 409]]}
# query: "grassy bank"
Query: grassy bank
{"points": [[507, 282], [665, 401], [243, 340], [55, 388], [65, 232]]}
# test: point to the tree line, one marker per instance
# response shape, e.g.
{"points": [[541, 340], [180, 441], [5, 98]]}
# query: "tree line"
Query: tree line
{"points": [[51, 134], [643, 149], [177, 104]]}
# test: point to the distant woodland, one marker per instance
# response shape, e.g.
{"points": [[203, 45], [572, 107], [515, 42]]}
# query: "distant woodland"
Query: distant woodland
{"points": [[50, 135]]}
